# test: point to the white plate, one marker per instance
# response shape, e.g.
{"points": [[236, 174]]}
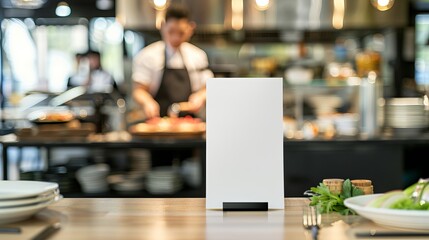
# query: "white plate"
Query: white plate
{"points": [[406, 219], [24, 189], [11, 215], [28, 201]]}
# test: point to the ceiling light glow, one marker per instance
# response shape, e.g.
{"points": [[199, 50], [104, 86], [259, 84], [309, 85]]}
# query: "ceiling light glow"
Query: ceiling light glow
{"points": [[262, 5], [383, 5], [160, 4], [63, 9]]}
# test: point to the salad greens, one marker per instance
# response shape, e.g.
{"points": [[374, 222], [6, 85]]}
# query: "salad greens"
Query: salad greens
{"points": [[415, 197], [327, 202], [408, 202]]}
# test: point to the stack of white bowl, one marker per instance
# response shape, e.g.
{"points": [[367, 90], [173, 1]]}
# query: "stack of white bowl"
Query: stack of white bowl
{"points": [[164, 180], [19, 200], [93, 178], [406, 113]]}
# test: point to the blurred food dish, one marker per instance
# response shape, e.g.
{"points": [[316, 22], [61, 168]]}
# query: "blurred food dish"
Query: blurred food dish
{"points": [[50, 116], [169, 126]]}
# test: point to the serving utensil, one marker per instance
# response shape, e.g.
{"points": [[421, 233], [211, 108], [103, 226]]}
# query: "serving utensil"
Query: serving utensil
{"points": [[418, 194]]}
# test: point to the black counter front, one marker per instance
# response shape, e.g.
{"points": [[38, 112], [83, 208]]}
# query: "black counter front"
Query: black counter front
{"points": [[391, 163]]}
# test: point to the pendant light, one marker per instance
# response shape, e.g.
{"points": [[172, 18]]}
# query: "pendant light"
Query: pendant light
{"points": [[63, 9], [383, 5], [262, 5]]}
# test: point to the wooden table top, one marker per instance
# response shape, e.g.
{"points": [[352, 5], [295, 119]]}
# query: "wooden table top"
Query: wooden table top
{"points": [[181, 218]]}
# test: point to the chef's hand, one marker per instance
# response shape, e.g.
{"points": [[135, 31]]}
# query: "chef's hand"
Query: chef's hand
{"points": [[197, 101], [151, 109], [142, 96]]}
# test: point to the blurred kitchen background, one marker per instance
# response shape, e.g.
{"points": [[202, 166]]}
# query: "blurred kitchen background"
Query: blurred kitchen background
{"points": [[352, 70], [308, 43]]}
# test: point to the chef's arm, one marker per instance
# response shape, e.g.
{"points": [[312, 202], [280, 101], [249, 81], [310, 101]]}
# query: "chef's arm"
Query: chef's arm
{"points": [[197, 99], [142, 96]]}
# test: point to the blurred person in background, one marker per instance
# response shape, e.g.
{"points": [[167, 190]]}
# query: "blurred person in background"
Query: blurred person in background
{"points": [[172, 70], [91, 74], [100, 87]]}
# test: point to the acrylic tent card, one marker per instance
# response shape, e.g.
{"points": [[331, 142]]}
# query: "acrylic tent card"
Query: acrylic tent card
{"points": [[244, 134]]}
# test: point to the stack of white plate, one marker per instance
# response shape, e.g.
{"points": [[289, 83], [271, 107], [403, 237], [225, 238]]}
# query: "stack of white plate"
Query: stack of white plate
{"points": [[20, 200], [406, 113], [164, 180], [93, 178], [140, 161]]}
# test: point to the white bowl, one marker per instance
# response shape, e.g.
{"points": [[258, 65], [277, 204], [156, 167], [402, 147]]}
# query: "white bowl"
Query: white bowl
{"points": [[94, 170]]}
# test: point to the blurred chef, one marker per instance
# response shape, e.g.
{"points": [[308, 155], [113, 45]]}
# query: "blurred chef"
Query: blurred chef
{"points": [[92, 75], [172, 70]]}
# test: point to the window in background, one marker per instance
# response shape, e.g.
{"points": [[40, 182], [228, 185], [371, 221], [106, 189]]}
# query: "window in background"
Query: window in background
{"points": [[134, 42], [20, 63], [40, 57], [422, 51], [106, 36], [57, 46]]}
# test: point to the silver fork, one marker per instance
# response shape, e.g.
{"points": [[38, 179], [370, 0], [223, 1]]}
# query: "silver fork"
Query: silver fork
{"points": [[311, 219]]}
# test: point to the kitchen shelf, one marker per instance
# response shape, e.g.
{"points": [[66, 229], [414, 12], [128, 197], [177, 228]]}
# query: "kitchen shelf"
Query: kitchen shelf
{"points": [[319, 83], [137, 143], [186, 192]]}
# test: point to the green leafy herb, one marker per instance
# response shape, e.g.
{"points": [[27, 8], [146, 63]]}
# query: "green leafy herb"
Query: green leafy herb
{"points": [[327, 202]]}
